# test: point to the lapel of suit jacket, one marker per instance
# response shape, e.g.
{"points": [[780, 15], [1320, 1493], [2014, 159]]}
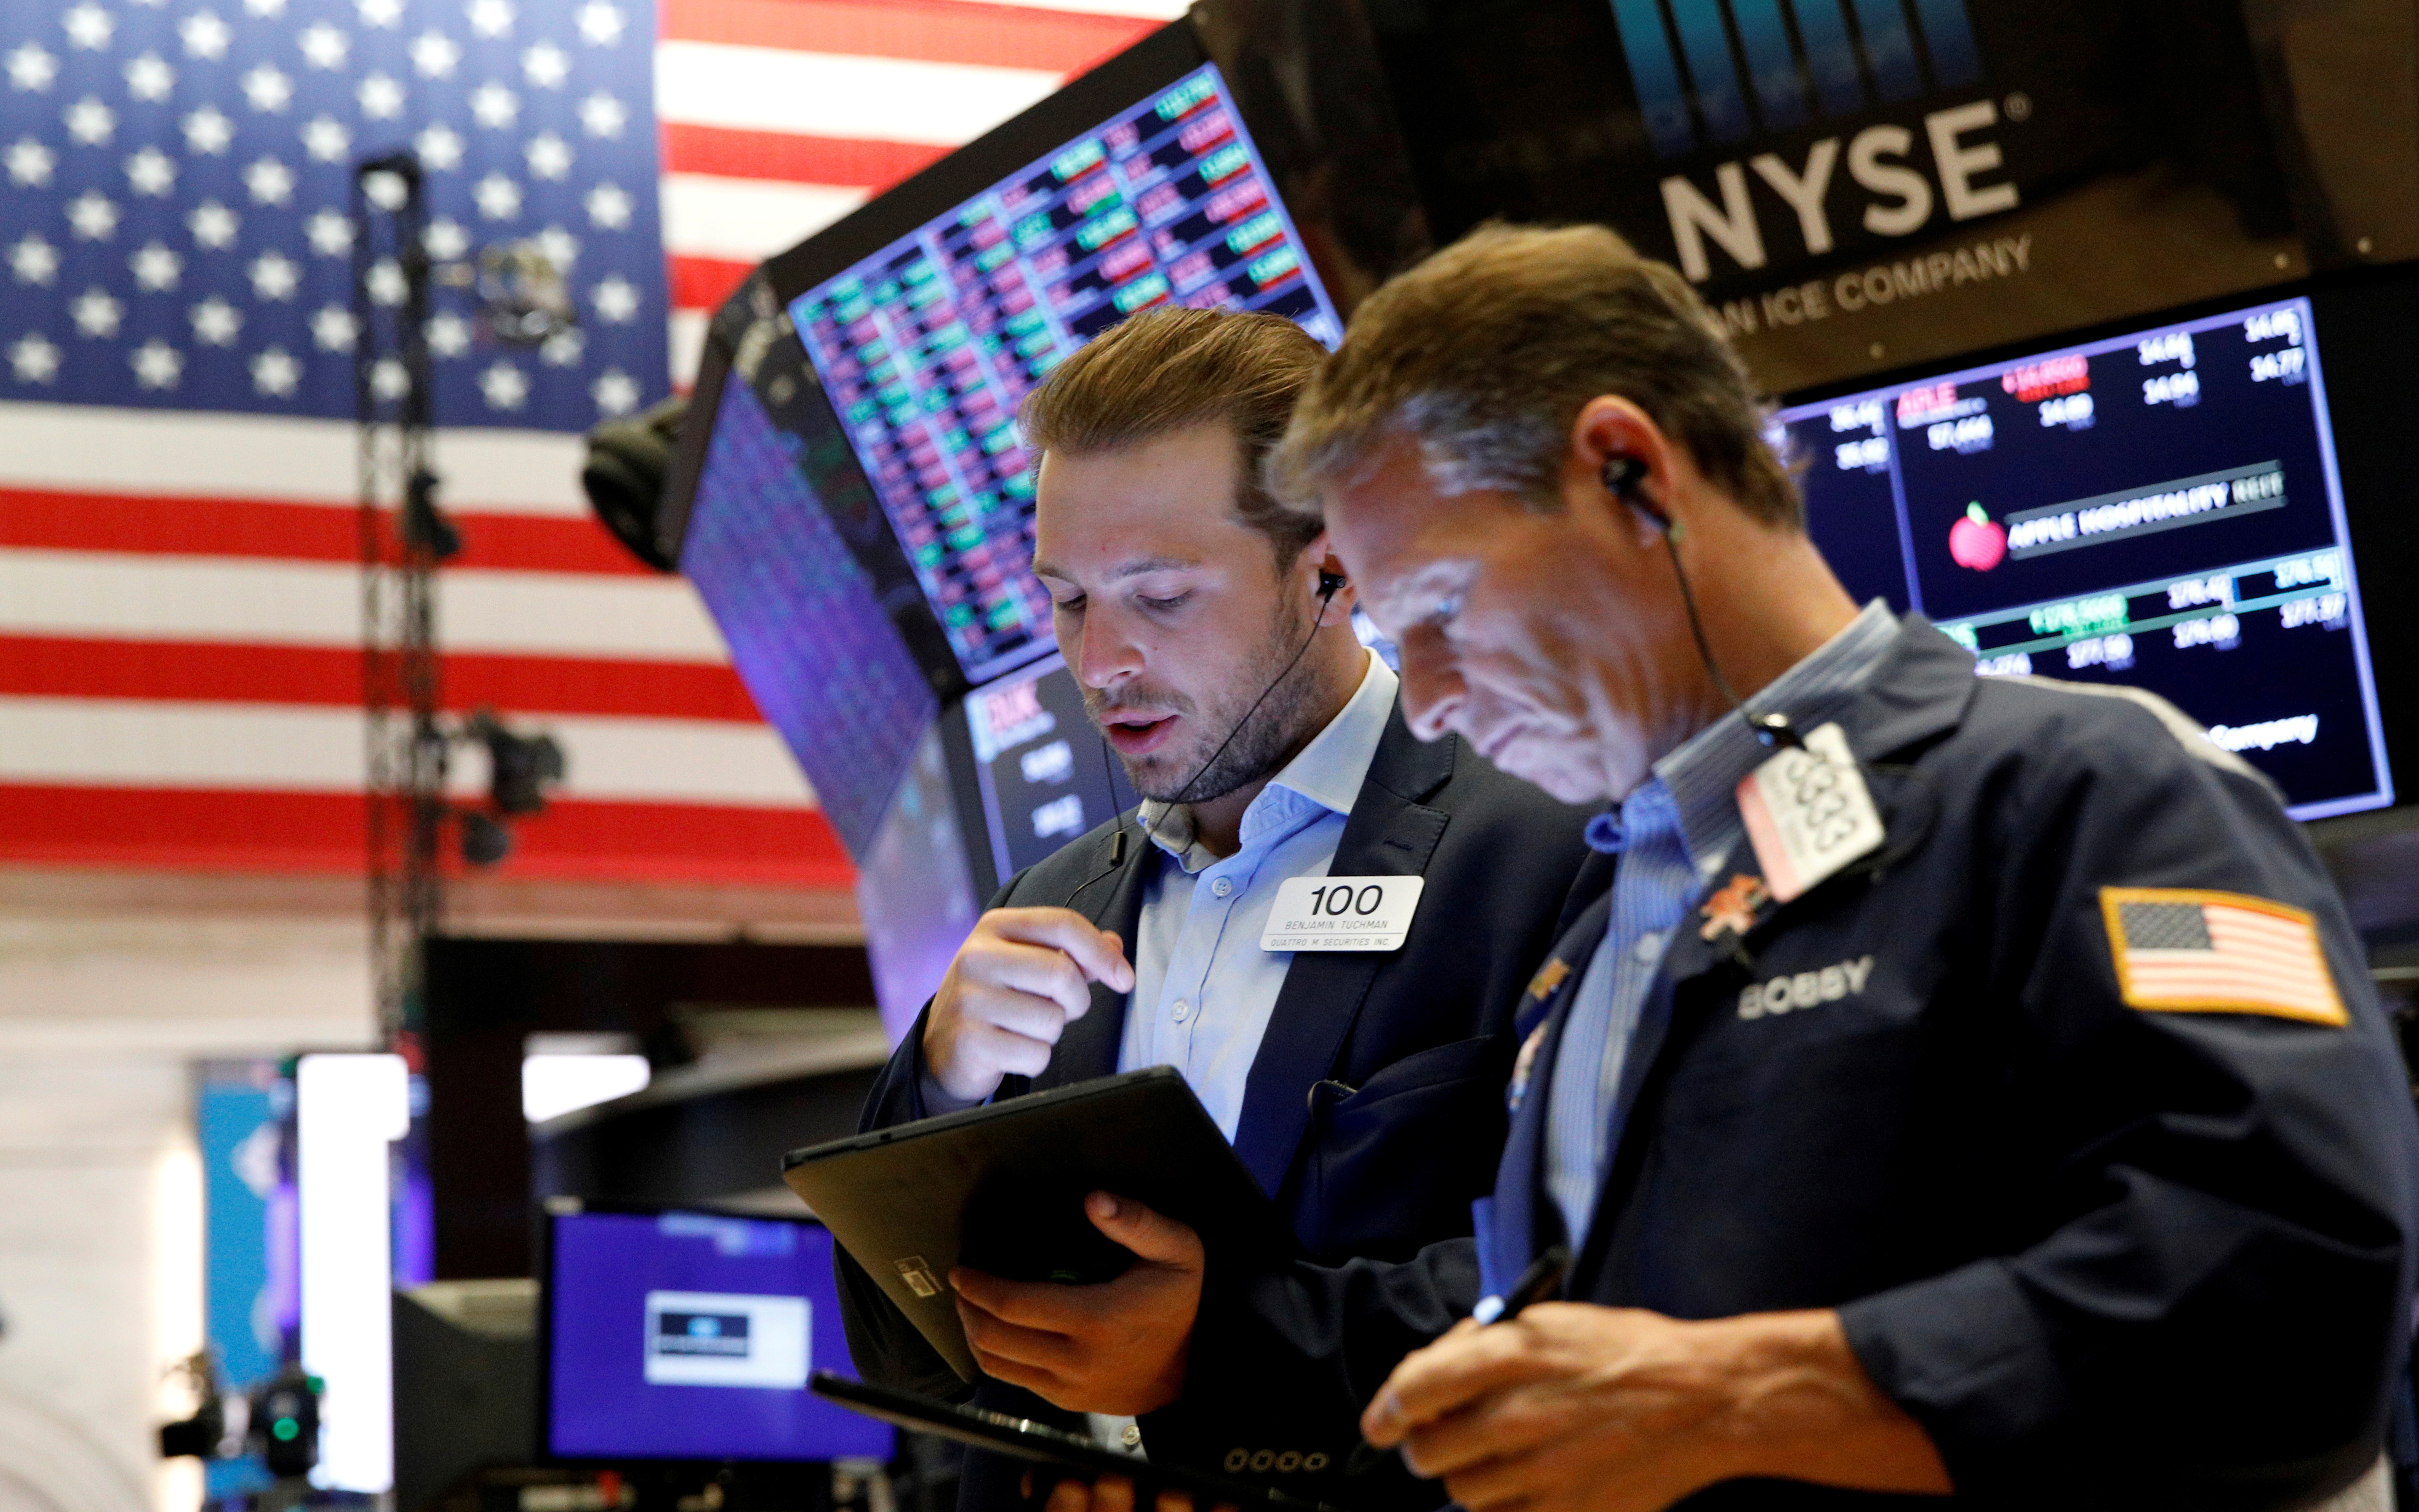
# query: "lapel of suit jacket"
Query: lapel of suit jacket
{"points": [[1089, 1047], [1389, 833], [1525, 1219]]}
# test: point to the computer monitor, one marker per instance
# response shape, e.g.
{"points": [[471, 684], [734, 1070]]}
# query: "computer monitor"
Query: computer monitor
{"points": [[926, 339], [1042, 772], [689, 1337], [807, 633], [2160, 507]]}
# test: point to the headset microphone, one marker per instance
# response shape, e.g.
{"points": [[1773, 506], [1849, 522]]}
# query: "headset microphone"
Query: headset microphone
{"points": [[1330, 584]]}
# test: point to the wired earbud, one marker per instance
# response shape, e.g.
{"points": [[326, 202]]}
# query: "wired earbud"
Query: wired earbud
{"points": [[1625, 478], [1330, 584]]}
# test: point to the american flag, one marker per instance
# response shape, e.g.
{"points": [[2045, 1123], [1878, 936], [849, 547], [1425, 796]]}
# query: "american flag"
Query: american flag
{"points": [[2183, 951], [179, 603]]}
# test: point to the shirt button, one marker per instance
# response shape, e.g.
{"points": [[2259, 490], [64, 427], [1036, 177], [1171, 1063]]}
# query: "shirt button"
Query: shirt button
{"points": [[1132, 1434], [1648, 949], [1223, 886], [1183, 1010]]}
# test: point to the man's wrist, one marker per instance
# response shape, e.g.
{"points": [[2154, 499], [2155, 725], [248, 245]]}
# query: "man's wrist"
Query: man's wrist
{"points": [[1798, 1405]]}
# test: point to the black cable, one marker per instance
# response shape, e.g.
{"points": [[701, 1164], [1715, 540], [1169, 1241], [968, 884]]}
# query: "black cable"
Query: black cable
{"points": [[1770, 729]]}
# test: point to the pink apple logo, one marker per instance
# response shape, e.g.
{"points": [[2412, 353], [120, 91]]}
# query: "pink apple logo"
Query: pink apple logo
{"points": [[1977, 541]]}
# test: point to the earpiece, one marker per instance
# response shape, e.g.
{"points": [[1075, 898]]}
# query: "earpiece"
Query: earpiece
{"points": [[1623, 477], [1330, 584]]}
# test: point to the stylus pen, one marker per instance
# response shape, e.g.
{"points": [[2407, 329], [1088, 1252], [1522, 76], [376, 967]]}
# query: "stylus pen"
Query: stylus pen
{"points": [[1537, 1284]]}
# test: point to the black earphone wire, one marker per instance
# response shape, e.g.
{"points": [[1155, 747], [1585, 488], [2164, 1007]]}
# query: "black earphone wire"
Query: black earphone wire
{"points": [[1328, 584]]}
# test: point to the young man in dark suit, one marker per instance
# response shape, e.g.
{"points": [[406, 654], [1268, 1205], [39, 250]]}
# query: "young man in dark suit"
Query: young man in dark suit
{"points": [[1211, 632]]}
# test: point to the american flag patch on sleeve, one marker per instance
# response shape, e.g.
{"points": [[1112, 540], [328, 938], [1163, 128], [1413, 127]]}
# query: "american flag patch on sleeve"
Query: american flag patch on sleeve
{"points": [[2181, 949]]}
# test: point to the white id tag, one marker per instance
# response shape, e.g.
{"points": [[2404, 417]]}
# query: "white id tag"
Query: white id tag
{"points": [[1343, 913], [1808, 813]]}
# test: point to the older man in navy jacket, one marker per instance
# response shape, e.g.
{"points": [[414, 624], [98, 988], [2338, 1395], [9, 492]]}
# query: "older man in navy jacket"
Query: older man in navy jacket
{"points": [[2032, 1139]]}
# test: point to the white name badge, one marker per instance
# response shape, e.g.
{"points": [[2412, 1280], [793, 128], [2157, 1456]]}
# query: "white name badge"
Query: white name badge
{"points": [[1343, 913], [1808, 813]]}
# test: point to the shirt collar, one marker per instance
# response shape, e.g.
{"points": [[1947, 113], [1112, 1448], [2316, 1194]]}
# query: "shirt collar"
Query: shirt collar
{"points": [[1327, 773], [1703, 775]]}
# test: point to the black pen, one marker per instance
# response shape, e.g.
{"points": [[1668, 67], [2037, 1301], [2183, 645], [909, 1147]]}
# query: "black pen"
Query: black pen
{"points": [[1536, 1285]]}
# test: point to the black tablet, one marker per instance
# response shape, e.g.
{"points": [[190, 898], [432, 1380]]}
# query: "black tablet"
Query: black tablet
{"points": [[1001, 1189], [1044, 1444]]}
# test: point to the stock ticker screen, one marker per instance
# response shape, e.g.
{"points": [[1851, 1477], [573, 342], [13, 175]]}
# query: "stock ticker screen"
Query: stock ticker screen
{"points": [[1044, 773], [807, 635], [2160, 509], [926, 347]]}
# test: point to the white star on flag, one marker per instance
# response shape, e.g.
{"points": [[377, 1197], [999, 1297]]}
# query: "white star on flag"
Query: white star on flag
{"points": [[30, 163], [386, 282], [494, 106], [157, 364], [439, 147], [265, 7], [491, 18], [157, 268], [389, 380], [213, 225], [149, 78], [205, 36], [208, 130], [546, 66], [31, 68], [449, 334], [334, 327], [331, 232], [216, 323], [608, 207], [88, 26], [323, 46], [498, 197], [91, 122], [600, 24], [616, 300], [95, 314], [434, 54], [274, 276], [151, 172], [379, 12], [563, 349], [94, 215], [506, 387], [275, 373], [271, 182], [558, 247], [267, 88], [548, 155], [446, 239], [616, 393], [381, 97], [603, 116], [34, 260], [326, 139], [34, 357]]}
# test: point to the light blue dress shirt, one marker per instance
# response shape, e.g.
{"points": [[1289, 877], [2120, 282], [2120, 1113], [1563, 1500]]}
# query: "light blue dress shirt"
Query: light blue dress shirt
{"points": [[1204, 988], [1677, 834]]}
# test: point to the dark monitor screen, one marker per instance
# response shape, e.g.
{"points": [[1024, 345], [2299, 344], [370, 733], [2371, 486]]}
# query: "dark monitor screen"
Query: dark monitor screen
{"points": [[926, 347], [690, 1335], [1043, 773], [2160, 509], [809, 638]]}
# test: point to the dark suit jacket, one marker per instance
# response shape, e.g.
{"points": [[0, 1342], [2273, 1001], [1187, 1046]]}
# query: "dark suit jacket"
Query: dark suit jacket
{"points": [[1374, 1112]]}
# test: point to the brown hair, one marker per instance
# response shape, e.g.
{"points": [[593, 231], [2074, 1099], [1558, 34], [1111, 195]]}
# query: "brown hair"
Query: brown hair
{"points": [[1486, 352], [1168, 370]]}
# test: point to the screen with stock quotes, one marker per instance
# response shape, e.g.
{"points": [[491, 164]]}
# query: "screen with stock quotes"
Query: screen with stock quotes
{"points": [[2160, 509], [927, 347]]}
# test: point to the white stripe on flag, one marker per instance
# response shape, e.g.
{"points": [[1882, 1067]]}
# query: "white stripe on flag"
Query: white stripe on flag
{"points": [[246, 747], [102, 450], [687, 343], [746, 220], [319, 604], [825, 93]]}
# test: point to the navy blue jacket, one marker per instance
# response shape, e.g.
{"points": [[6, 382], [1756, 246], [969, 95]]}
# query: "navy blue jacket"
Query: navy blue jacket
{"points": [[1374, 1112], [2104, 1256]]}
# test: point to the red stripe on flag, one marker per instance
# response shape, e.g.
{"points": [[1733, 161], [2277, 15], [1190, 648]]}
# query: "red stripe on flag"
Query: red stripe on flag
{"points": [[930, 31], [842, 161], [200, 671], [235, 831], [289, 532], [705, 283]]}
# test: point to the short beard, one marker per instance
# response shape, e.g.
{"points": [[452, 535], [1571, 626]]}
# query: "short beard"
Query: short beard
{"points": [[1261, 743]]}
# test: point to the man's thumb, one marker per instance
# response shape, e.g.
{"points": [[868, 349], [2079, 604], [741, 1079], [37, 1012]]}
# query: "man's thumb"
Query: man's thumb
{"points": [[1153, 1236]]}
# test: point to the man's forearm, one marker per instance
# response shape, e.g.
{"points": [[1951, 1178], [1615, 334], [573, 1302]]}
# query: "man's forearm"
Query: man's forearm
{"points": [[1802, 1408]]}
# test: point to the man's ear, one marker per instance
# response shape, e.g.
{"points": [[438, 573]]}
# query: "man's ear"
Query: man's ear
{"points": [[1332, 591]]}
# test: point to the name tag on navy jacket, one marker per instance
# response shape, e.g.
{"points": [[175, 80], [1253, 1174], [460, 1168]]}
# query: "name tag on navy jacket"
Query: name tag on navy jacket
{"points": [[1342, 914]]}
